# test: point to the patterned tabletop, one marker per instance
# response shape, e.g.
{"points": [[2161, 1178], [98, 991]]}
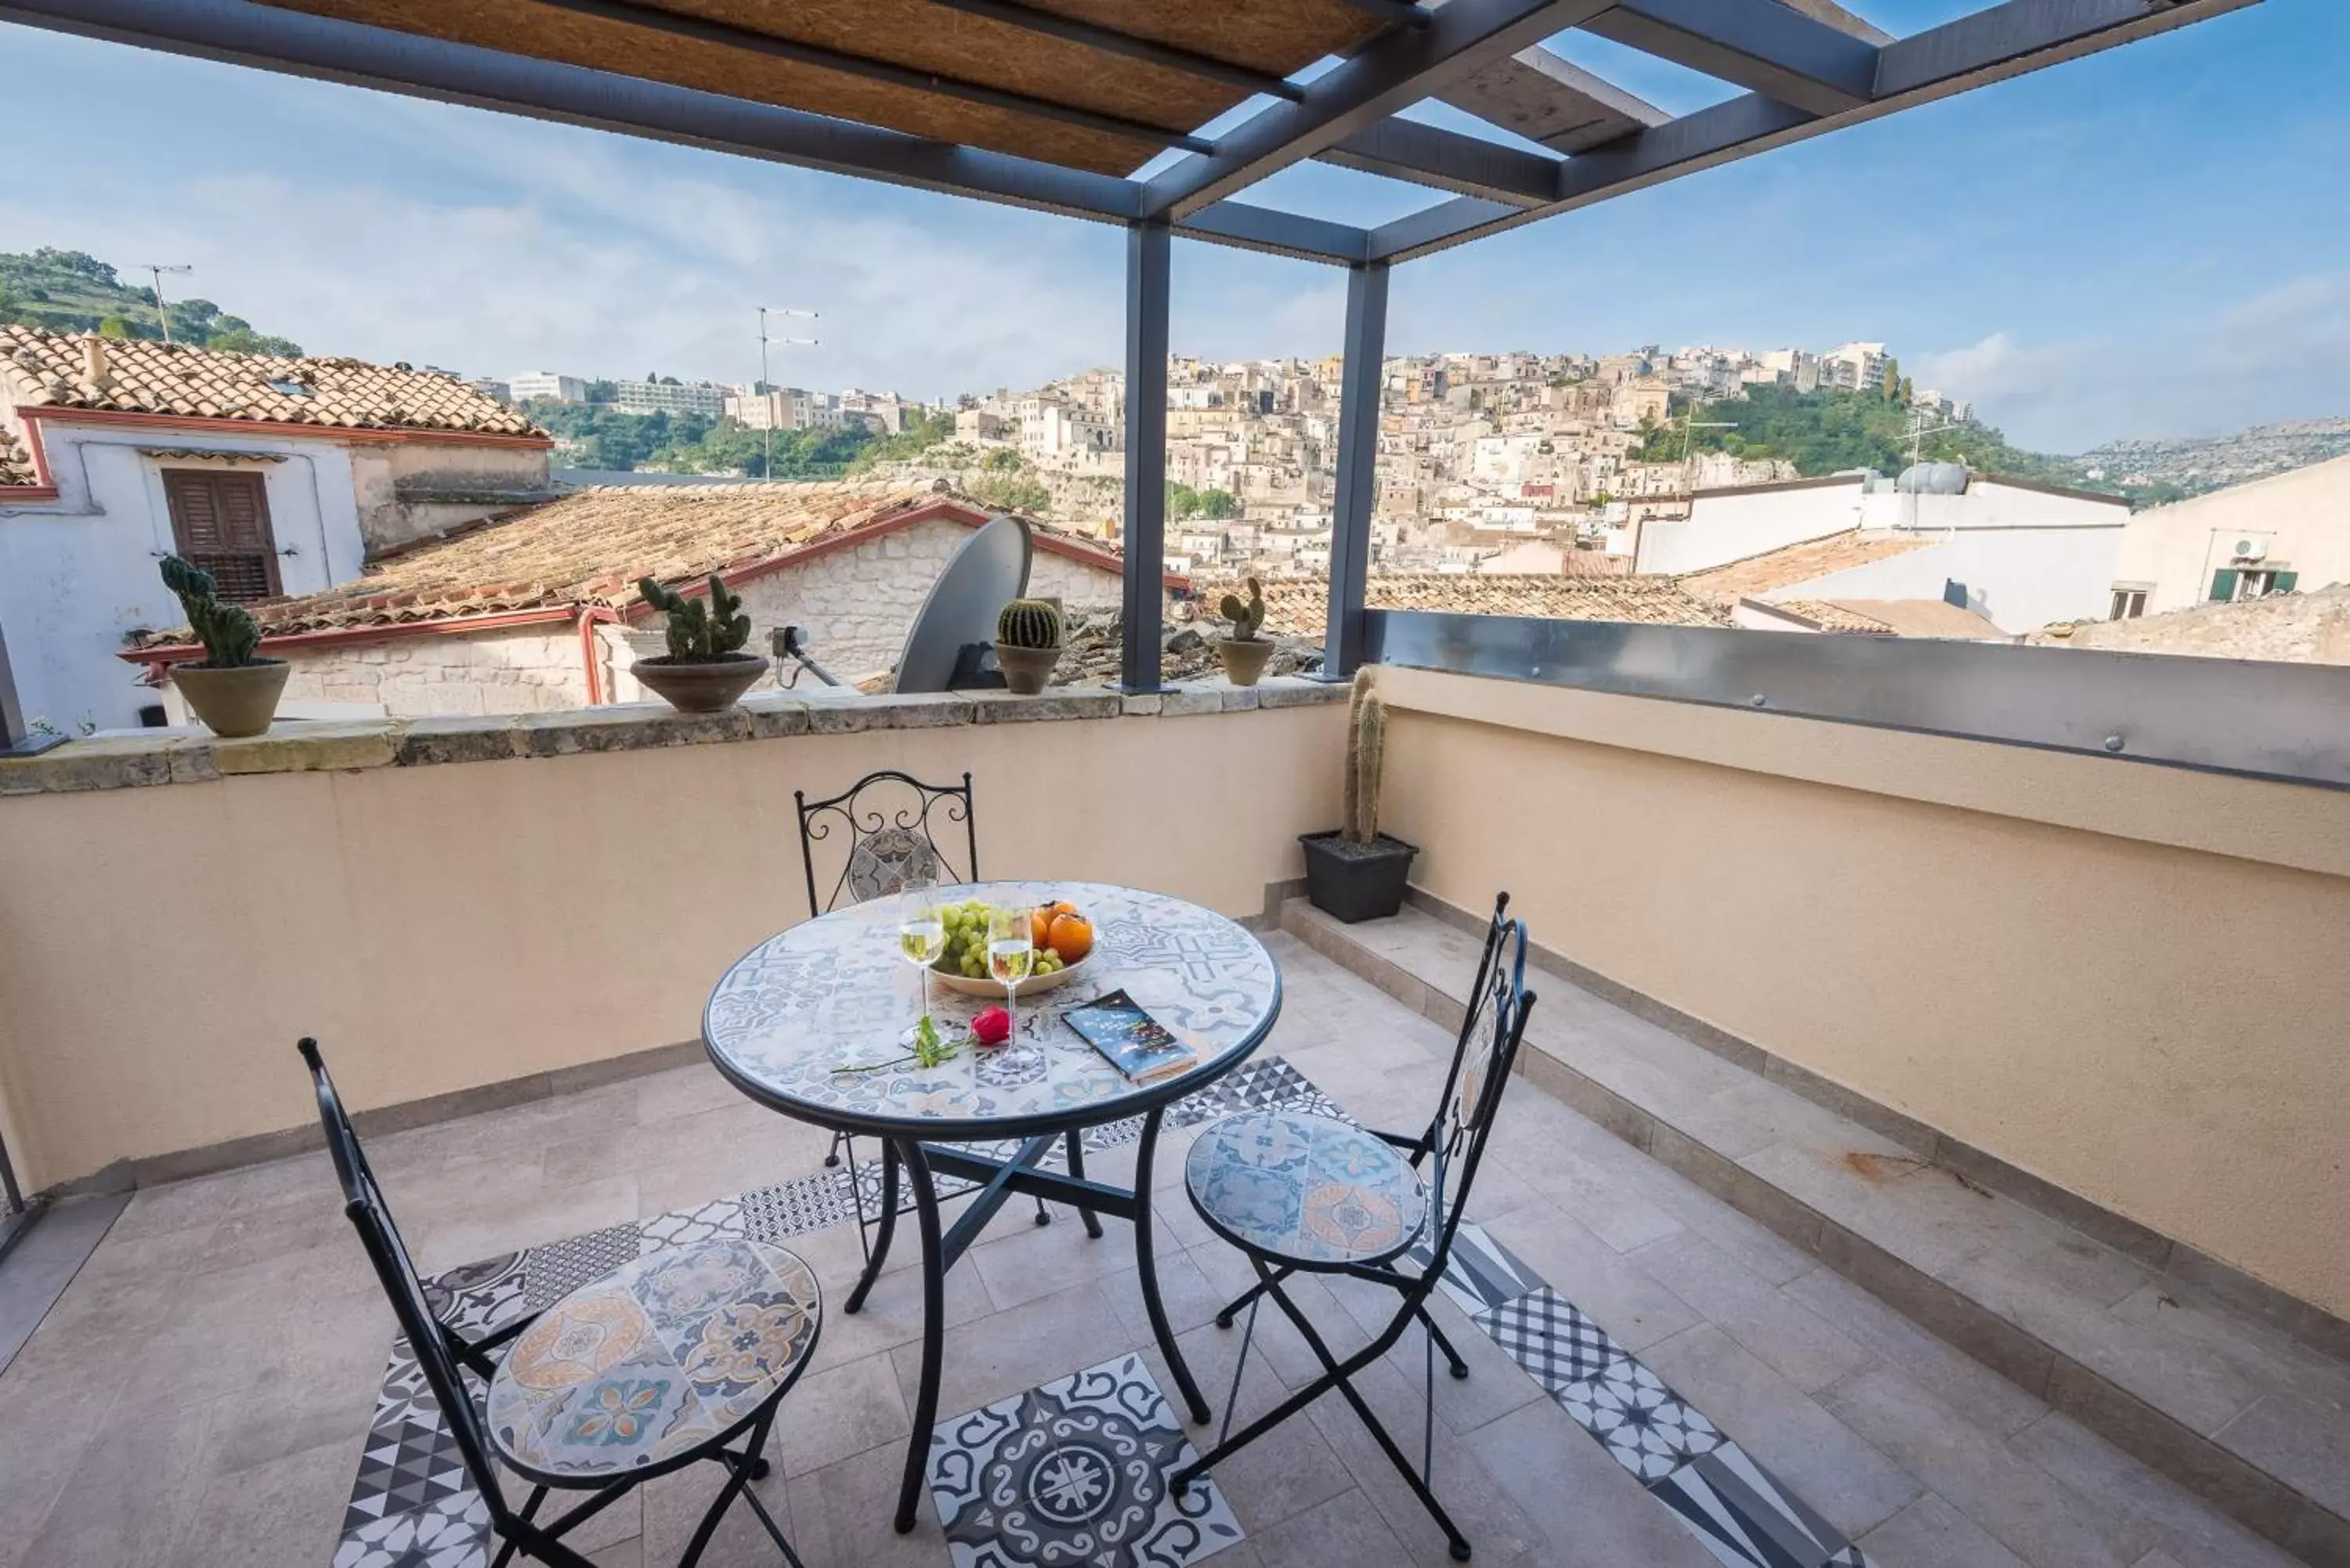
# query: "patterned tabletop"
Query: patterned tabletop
{"points": [[791, 1019]]}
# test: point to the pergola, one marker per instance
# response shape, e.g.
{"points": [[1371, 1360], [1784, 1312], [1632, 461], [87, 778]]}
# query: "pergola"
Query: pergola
{"points": [[1095, 109]]}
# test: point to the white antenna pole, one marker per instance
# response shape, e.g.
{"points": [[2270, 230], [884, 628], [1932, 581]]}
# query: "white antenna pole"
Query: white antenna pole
{"points": [[155, 271], [767, 466]]}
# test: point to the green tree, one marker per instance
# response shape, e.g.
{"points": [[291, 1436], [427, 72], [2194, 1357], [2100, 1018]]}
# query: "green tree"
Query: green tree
{"points": [[1002, 459], [116, 326], [1013, 492], [1182, 501]]}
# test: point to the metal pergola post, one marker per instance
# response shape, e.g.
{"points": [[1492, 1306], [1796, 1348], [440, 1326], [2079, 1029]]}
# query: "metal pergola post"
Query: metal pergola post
{"points": [[1148, 258], [1358, 455]]}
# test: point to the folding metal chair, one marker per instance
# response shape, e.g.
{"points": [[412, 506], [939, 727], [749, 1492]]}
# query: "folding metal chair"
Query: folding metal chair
{"points": [[688, 1352], [891, 827], [1301, 1193]]}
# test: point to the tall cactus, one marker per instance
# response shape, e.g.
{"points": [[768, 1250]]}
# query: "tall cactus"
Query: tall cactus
{"points": [[1246, 618], [229, 632], [1367, 742], [700, 631]]}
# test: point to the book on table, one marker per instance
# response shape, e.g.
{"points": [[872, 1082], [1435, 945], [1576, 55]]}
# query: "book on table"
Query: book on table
{"points": [[1137, 1044]]}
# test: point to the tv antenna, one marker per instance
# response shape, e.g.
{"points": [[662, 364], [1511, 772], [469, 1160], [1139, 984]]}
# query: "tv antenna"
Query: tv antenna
{"points": [[767, 466], [155, 271]]}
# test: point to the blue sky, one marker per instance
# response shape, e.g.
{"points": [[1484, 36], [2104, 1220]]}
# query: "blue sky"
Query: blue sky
{"points": [[2152, 241]]}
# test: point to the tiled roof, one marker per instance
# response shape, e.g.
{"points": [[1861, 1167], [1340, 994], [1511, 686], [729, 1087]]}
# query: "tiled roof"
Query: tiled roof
{"points": [[2283, 629], [1792, 564], [16, 462], [49, 370], [1890, 618], [590, 547], [1301, 605], [1827, 615]]}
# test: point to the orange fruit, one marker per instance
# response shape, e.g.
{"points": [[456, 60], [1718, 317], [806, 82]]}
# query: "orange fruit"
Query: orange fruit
{"points": [[1040, 926], [1071, 935]]}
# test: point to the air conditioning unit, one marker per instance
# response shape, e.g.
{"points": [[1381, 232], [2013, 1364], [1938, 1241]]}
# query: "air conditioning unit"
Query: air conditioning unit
{"points": [[2251, 549]]}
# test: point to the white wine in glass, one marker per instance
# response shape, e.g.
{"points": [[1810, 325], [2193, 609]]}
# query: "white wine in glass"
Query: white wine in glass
{"points": [[1011, 955], [922, 937]]}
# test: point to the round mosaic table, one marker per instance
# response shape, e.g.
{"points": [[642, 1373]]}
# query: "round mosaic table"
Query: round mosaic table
{"points": [[792, 1024]]}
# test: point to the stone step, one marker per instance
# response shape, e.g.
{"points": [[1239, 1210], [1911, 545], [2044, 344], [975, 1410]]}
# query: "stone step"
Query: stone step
{"points": [[2254, 1419]]}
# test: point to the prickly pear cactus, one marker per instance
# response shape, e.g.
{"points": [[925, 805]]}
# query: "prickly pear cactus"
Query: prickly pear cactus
{"points": [[1247, 618], [700, 629]]}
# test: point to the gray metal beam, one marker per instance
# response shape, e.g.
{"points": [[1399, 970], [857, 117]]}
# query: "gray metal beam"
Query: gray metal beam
{"points": [[1447, 160], [240, 32], [1109, 40], [2006, 40], [1392, 73], [2288, 721], [1358, 453], [1148, 279], [1759, 45], [1555, 102]]}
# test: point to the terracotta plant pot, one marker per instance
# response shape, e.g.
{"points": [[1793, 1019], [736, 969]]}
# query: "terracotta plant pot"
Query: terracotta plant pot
{"points": [[239, 700], [701, 685], [1025, 670], [1245, 659]]}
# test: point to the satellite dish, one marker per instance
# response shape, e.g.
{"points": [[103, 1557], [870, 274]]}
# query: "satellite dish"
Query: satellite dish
{"points": [[991, 568]]}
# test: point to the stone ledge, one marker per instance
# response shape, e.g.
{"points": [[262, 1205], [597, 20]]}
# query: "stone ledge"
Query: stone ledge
{"points": [[194, 756]]}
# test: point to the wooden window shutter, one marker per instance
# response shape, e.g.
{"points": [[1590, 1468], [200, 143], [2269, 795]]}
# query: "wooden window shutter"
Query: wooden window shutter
{"points": [[2223, 584], [2283, 583], [221, 522]]}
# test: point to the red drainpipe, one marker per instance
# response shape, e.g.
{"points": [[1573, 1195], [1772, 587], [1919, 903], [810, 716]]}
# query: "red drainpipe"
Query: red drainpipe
{"points": [[588, 616]]}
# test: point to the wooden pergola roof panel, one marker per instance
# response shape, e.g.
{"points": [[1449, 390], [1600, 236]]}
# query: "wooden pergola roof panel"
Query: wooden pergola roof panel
{"points": [[953, 46]]}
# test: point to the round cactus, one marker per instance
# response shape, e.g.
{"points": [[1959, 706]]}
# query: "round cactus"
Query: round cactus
{"points": [[1029, 623]]}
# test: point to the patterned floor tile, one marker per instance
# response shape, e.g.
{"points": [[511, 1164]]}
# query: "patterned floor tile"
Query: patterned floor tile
{"points": [[1543, 1333], [788, 1209], [479, 1296], [556, 1269], [407, 1464], [1747, 1520], [454, 1532], [1481, 1273], [1074, 1472], [691, 1227], [1649, 1429]]}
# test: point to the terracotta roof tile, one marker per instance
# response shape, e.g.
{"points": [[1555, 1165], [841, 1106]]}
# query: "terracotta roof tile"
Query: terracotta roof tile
{"points": [[590, 547], [16, 462], [1792, 564], [40, 369], [1300, 606], [2311, 628], [1829, 616]]}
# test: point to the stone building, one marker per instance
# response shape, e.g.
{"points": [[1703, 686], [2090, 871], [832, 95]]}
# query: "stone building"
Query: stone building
{"points": [[540, 610], [278, 475]]}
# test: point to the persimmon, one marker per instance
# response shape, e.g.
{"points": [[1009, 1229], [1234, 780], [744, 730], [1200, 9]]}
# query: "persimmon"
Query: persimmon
{"points": [[1040, 926], [1071, 935]]}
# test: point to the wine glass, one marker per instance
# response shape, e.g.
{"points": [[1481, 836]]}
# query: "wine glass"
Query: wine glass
{"points": [[921, 937], [1011, 954]]}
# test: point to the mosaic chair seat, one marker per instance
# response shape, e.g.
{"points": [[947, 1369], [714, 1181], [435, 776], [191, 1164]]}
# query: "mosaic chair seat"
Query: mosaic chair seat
{"points": [[885, 832], [1299, 1192], [679, 1357]]}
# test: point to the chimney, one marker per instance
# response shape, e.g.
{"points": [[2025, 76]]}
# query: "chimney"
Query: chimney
{"points": [[93, 358]]}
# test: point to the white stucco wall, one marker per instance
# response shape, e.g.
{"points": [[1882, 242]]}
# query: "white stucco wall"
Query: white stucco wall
{"points": [[1724, 528], [2302, 518], [2019, 579], [76, 574]]}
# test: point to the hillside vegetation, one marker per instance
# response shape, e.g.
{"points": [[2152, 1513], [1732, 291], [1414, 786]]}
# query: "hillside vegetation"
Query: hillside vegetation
{"points": [[70, 291], [1827, 431]]}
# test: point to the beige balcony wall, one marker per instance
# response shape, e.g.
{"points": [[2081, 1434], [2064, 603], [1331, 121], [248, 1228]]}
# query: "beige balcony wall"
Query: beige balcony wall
{"points": [[444, 927], [2127, 980]]}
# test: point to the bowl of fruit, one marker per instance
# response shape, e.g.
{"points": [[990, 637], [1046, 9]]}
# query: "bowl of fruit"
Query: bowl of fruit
{"points": [[1060, 940]]}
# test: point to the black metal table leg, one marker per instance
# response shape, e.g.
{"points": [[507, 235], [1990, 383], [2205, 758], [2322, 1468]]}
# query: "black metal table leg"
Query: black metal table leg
{"points": [[879, 1251], [934, 1330], [1147, 1266], [1075, 1142]]}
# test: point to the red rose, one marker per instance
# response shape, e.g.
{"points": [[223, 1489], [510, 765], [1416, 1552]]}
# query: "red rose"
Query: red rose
{"points": [[992, 1026]]}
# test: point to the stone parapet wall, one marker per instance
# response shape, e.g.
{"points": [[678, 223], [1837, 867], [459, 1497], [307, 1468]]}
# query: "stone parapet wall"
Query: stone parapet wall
{"points": [[192, 755], [523, 671]]}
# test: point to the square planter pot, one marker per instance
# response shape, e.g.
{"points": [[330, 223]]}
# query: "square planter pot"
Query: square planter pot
{"points": [[1353, 882]]}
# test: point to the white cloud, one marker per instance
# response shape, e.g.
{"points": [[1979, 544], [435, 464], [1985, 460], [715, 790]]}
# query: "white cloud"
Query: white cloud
{"points": [[2276, 355]]}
